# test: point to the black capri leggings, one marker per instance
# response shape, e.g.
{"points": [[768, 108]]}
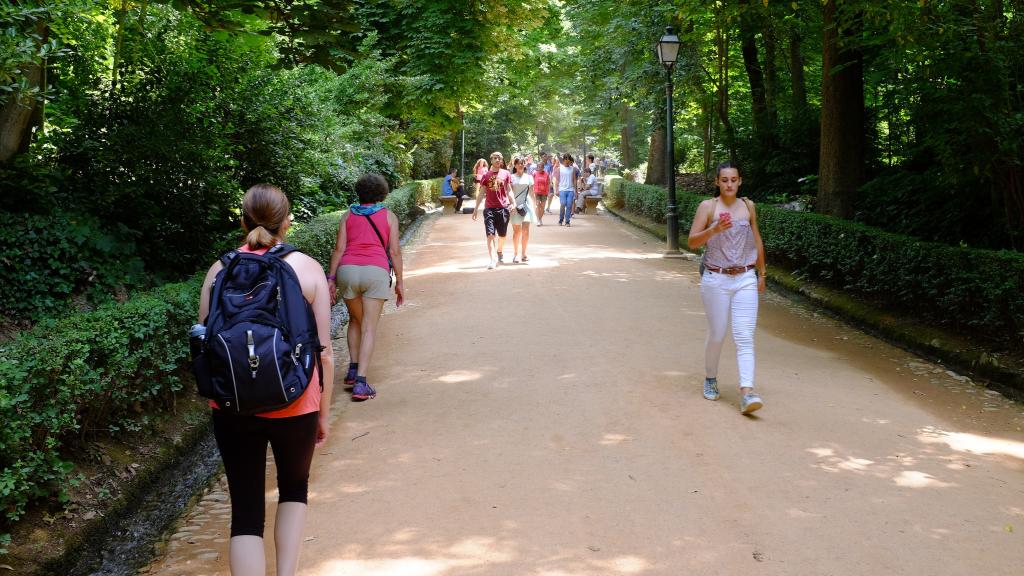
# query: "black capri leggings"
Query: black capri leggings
{"points": [[242, 441]]}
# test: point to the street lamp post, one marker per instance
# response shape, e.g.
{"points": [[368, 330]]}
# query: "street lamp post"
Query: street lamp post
{"points": [[668, 52], [462, 163]]}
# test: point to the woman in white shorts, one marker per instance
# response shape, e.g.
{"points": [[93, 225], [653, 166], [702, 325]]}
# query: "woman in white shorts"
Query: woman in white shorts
{"points": [[367, 251], [522, 191]]}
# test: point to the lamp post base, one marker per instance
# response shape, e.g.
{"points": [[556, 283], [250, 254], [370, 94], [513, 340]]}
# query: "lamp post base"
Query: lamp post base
{"points": [[677, 255]]}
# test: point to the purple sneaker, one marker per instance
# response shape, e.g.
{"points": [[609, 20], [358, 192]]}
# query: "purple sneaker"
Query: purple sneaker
{"points": [[350, 378], [363, 391]]}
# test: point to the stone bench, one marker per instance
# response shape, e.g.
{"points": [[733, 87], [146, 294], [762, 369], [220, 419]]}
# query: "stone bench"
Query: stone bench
{"points": [[448, 204], [590, 204]]}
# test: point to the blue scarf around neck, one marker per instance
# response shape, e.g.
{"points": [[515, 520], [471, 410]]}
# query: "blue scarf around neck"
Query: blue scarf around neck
{"points": [[361, 210]]}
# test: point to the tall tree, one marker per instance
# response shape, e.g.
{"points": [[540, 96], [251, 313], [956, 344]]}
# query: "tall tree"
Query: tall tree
{"points": [[841, 171], [750, 21]]}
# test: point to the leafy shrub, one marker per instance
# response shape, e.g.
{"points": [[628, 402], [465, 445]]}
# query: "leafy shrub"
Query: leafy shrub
{"points": [[47, 259], [82, 374], [962, 288], [317, 237]]}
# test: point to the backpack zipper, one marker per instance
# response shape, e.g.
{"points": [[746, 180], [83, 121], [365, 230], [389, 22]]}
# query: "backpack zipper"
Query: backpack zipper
{"points": [[278, 364], [234, 383], [254, 360]]}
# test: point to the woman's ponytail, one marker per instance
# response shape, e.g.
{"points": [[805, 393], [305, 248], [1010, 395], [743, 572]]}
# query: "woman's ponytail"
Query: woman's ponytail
{"points": [[259, 237], [264, 210]]}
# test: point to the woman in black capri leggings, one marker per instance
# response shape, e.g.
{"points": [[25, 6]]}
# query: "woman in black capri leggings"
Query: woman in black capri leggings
{"points": [[292, 432]]}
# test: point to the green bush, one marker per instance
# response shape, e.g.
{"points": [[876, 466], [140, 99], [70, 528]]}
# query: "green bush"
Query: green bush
{"points": [[317, 237], [86, 373], [981, 291], [47, 259]]}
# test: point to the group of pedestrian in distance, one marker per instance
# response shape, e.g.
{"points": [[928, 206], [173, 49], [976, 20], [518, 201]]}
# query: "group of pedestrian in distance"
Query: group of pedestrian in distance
{"points": [[365, 266], [523, 196]]}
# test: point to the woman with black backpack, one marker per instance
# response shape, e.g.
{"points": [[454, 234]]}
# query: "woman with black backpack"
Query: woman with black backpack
{"points": [[365, 254], [243, 431]]}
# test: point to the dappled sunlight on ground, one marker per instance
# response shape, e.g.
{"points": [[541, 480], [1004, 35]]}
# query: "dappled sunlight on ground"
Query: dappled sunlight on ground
{"points": [[972, 443], [915, 479], [614, 439], [459, 376], [483, 555], [890, 468], [395, 560]]}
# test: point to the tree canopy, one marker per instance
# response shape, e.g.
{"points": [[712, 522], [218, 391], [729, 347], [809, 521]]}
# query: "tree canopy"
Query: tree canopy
{"points": [[149, 118]]}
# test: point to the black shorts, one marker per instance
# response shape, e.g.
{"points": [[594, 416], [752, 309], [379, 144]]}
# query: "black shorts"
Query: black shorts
{"points": [[496, 221]]}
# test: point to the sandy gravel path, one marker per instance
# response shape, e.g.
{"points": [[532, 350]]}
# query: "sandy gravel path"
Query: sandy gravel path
{"points": [[547, 419]]}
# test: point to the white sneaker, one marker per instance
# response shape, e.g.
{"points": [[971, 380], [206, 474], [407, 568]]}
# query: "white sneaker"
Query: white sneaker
{"points": [[492, 264], [751, 403]]}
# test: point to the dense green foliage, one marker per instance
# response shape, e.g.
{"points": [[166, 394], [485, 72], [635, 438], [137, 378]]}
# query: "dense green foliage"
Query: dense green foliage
{"points": [[87, 373], [151, 119], [942, 143], [978, 291], [102, 371], [48, 259]]}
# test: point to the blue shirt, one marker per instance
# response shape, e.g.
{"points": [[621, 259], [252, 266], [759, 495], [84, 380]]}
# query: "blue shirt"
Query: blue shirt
{"points": [[446, 188]]}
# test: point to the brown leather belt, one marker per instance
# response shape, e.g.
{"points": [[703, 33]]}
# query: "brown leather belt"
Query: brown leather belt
{"points": [[731, 271]]}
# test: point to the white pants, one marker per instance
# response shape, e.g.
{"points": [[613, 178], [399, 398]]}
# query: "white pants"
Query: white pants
{"points": [[732, 297], [581, 199]]}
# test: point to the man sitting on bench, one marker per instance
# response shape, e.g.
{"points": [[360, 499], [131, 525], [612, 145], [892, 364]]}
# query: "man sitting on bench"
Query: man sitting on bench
{"points": [[589, 188], [452, 187]]}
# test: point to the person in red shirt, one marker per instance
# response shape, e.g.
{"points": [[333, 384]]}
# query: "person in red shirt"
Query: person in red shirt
{"points": [[541, 185], [496, 184]]}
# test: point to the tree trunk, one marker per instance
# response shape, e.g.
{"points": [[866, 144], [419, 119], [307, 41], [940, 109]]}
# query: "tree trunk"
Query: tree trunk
{"points": [[841, 166], [656, 157], [771, 76], [759, 104], [626, 137], [722, 105], [798, 85], [115, 71], [20, 115]]}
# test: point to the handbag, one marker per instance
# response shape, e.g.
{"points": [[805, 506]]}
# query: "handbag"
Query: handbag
{"points": [[521, 206]]}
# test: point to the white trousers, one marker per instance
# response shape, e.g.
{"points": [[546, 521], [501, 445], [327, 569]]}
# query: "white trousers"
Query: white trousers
{"points": [[732, 297]]}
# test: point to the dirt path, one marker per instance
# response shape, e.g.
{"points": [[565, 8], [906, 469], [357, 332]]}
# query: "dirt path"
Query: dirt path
{"points": [[563, 433]]}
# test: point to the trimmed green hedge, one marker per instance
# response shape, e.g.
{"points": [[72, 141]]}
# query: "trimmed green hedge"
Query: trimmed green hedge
{"points": [[98, 371], [961, 288]]}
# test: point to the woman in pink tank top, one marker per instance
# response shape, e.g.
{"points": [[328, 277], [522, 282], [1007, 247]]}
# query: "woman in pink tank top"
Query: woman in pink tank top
{"points": [[365, 254]]}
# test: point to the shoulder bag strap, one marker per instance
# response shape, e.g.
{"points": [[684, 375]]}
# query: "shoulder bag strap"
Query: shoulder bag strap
{"points": [[387, 252]]}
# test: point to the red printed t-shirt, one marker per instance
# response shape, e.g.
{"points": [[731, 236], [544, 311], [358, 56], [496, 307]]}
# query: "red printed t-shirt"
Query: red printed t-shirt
{"points": [[309, 402], [541, 181], [496, 184]]}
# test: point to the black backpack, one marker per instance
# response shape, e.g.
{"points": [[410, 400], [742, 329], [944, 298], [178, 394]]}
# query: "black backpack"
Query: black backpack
{"points": [[261, 341]]}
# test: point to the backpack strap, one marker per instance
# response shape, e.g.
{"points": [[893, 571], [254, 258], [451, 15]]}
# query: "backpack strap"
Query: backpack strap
{"points": [[282, 249], [387, 252], [227, 257]]}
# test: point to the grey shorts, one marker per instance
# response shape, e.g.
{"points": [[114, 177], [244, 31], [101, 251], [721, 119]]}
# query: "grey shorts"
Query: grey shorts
{"points": [[366, 281]]}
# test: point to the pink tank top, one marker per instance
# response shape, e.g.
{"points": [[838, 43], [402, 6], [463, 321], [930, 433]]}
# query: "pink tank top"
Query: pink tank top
{"points": [[309, 402], [362, 246]]}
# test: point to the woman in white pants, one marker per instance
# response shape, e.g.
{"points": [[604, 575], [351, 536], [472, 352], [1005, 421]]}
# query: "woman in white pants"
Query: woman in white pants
{"points": [[733, 276]]}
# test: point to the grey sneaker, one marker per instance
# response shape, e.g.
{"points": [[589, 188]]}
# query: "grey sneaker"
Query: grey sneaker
{"points": [[711, 389], [751, 403]]}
